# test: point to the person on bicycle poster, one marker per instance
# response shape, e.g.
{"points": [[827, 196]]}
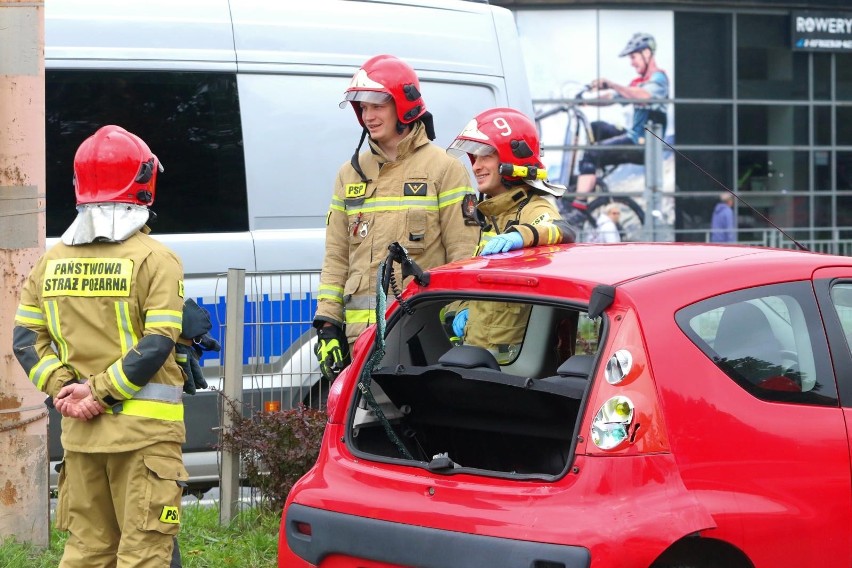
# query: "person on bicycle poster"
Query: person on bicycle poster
{"points": [[651, 83]]}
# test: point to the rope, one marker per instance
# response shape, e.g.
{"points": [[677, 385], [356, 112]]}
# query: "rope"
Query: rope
{"points": [[372, 364]]}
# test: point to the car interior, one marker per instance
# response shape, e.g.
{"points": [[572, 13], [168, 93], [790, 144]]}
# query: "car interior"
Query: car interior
{"points": [[456, 408]]}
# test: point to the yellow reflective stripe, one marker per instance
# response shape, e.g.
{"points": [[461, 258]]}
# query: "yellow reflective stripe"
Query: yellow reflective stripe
{"points": [[180, 357], [375, 204], [39, 374], [54, 326], [453, 195], [360, 316], [553, 234], [29, 314], [120, 380], [335, 207], [330, 292], [164, 318], [171, 412], [126, 335]]}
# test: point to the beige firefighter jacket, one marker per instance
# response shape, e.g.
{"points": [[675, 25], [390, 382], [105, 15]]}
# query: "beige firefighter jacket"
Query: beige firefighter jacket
{"points": [[107, 313], [500, 326], [415, 200]]}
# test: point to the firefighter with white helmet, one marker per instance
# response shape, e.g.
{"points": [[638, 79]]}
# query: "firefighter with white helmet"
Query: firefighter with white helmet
{"points": [[95, 329], [404, 189], [517, 210]]}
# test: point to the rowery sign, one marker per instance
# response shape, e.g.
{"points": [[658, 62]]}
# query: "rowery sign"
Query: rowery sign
{"points": [[821, 31]]}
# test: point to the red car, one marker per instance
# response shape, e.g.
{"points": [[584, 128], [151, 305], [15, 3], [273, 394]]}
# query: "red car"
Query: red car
{"points": [[664, 405]]}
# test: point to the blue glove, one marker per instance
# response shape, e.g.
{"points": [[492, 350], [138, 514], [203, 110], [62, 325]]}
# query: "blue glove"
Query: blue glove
{"points": [[503, 243], [459, 322]]}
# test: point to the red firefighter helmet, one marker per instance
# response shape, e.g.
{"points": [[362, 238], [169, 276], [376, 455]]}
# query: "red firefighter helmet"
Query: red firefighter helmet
{"points": [[515, 139], [382, 78], [114, 165]]}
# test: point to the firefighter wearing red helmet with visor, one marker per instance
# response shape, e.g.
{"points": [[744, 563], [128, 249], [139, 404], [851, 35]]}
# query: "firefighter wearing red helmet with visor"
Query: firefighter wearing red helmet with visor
{"points": [[96, 329], [516, 210], [403, 188]]}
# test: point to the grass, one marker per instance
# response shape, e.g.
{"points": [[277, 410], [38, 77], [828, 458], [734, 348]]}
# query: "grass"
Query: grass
{"points": [[251, 541]]}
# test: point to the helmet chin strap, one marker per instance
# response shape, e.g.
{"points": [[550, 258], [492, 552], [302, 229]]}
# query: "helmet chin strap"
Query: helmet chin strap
{"points": [[354, 161]]}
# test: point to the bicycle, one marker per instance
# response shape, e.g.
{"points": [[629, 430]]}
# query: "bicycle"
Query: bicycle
{"points": [[579, 130]]}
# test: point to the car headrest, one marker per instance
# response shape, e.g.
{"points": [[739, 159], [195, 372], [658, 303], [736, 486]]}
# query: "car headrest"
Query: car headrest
{"points": [[469, 357], [576, 366]]}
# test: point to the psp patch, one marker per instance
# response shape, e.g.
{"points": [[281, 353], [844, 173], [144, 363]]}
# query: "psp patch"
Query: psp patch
{"points": [[414, 189], [544, 217], [354, 190], [170, 515]]}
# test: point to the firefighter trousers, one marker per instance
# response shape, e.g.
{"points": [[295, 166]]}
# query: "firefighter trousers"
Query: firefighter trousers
{"points": [[122, 509]]}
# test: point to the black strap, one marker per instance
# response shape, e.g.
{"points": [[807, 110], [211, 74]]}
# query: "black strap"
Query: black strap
{"points": [[354, 161]]}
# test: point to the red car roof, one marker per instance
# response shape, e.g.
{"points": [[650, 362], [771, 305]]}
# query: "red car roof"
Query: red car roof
{"points": [[617, 264]]}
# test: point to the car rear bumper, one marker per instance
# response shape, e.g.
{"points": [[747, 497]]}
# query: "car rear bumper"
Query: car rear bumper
{"points": [[338, 534]]}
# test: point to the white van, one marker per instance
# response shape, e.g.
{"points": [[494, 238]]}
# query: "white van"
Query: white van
{"points": [[239, 100]]}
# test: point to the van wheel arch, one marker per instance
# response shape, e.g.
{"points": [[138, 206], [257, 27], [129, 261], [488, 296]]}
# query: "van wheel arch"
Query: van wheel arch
{"points": [[698, 552]]}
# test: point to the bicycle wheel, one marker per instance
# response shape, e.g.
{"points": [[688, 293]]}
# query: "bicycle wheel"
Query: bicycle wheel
{"points": [[632, 217]]}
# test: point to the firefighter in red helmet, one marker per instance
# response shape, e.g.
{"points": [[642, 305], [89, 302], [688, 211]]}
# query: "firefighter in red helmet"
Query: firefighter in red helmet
{"points": [[517, 210], [96, 329], [404, 189]]}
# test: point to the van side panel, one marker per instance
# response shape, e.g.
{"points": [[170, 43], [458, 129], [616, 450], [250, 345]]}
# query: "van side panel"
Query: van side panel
{"points": [[188, 31], [514, 69], [454, 37], [296, 138]]}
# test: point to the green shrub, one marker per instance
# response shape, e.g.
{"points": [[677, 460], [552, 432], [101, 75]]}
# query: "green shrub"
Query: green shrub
{"points": [[275, 448]]}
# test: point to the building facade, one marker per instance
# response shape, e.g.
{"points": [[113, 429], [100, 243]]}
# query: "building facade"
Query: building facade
{"points": [[760, 102]]}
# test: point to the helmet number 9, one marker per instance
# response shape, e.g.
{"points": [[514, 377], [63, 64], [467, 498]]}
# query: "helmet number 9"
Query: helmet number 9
{"points": [[503, 126]]}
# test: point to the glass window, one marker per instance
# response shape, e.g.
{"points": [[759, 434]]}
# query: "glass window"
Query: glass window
{"points": [[822, 125], [191, 121], [698, 75], [692, 213], [843, 69], [822, 76], [769, 340], [844, 171], [775, 125], [705, 124], [841, 297], [843, 124], [766, 66], [822, 170]]}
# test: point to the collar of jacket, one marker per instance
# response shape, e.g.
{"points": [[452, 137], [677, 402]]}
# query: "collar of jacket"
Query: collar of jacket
{"points": [[412, 141], [502, 203]]}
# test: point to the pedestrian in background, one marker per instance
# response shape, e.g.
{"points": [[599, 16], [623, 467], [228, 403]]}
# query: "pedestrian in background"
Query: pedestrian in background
{"points": [[722, 222], [96, 329], [609, 225], [403, 188]]}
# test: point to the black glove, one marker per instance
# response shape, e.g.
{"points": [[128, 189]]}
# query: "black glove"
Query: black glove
{"points": [[196, 325], [332, 351], [187, 357]]}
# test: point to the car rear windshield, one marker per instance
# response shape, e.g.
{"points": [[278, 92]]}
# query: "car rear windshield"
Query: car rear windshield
{"points": [[498, 398]]}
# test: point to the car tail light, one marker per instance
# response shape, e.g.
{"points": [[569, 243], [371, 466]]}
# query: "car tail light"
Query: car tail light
{"points": [[627, 414], [611, 425]]}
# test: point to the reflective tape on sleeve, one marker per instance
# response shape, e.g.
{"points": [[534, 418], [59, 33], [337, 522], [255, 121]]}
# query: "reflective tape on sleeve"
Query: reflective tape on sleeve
{"points": [[164, 318], [29, 315], [39, 374]]}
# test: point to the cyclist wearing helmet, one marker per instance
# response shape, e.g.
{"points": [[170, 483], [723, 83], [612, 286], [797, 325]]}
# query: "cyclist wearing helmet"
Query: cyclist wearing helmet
{"points": [[96, 329], [652, 83], [403, 188], [516, 210]]}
